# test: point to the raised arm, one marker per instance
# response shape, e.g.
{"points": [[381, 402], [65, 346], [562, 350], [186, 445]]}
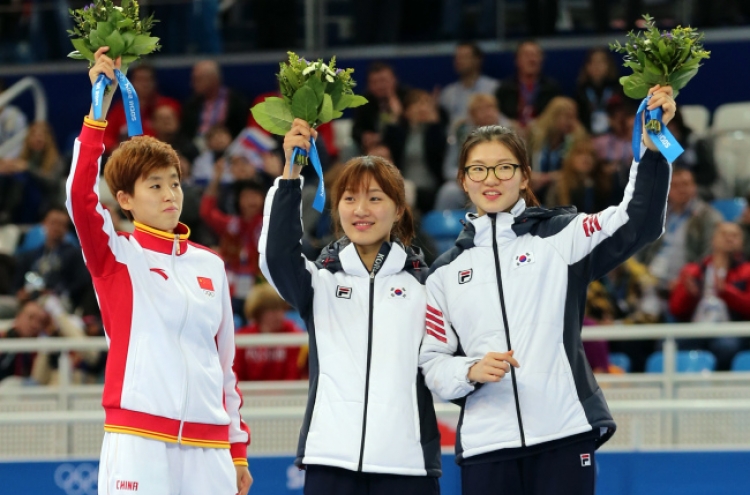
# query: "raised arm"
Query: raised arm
{"points": [[92, 222], [595, 244], [280, 248]]}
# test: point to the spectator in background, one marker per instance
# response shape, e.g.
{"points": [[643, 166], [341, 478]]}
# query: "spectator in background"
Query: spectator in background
{"points": [[212, 103], [598, 311], [143, 79], [690, 226], [30, 321], [615, 147], [525, 95], [631, 291], [597, 87], [716, 290], [417, 142], [385, 105], [217, 141], [266, 312], [58, 262], [744, 222], [238, 234], [165, 123], [551, 137], [584, 181], [32, 181], [698, 156], [454, 98], [192, 195]]}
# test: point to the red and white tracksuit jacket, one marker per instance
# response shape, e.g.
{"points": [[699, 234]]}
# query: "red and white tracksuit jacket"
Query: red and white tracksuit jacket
{"points": [[168, 320]]}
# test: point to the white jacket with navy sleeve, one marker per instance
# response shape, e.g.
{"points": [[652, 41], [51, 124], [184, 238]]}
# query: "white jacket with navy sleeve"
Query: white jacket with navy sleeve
{"points": [[518, 281], [368, 408]]}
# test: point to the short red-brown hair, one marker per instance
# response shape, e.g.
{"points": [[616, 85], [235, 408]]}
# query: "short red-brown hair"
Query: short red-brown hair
{"points": [[356, 176], [135, 159]]}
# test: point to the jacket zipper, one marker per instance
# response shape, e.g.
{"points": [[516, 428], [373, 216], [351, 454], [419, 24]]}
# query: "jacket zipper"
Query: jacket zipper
{"points": [[507, 329], [367, 375], [176, 249]]}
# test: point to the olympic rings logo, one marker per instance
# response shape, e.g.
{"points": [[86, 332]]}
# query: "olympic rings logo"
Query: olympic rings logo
{"points": [[77, 480]]}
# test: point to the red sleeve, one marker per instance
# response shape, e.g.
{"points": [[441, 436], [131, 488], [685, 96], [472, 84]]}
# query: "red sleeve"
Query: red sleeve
{"points": [[681, 302], [217, 220], [738, 300], [96, 232]]}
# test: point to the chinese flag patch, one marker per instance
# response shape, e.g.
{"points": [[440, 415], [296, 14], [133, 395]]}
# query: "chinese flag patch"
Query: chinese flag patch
{"points": [[206, 283]]}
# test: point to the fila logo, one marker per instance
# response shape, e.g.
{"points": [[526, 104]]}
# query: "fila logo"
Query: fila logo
{"points": [[161, 272], [126, 485], [585, 460], [591, 225], [207, 285], [398, 292], [343, 292], [464, 276]]}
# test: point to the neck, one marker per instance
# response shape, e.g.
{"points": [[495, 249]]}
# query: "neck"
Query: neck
{"points": [[469, 79], [721, 260], [528, 78], [368, 254], [212, 93]]}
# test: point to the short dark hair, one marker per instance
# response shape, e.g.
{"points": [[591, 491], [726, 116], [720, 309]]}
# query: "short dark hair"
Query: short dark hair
{"points": [[379, 66], [247, 185], [475, 50], [527, 41], [55, 207]]}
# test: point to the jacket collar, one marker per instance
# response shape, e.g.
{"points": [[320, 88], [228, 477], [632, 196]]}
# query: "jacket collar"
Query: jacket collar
{"points": [[160, 241], [392, 254], [503, 221]]}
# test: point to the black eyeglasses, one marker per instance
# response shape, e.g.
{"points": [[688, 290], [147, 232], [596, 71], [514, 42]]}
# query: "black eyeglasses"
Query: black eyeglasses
{"points": [[479, 173]]}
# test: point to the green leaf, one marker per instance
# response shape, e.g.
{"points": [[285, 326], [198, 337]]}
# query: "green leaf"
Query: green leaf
{"points": [[663, 52], [129, 38], [680, 78], [273, 115], [337, 114], [116, 45], [82, 48], [336, 89], [318, 86], [104, 29], [326, 109], [305, 105], [634, 86], [651, 67], [125, 24], [357, 101], [76, 55], [143, 45]]}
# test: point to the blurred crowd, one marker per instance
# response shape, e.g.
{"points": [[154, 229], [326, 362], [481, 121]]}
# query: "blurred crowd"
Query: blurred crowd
{"points": [[581, 152], [36, 30]]}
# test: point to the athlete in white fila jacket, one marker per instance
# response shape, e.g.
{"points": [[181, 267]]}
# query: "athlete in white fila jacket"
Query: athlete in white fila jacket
{"points": [[370, 424], [505, 307], [170, 396]]}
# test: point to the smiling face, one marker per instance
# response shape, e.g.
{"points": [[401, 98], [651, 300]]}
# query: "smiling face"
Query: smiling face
{"points": [[156, 200], [493, 195], [367, 215]]}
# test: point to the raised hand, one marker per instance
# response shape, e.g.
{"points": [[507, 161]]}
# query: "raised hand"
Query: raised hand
{"points": [[663, 96], [104, 65], [297, 137]]}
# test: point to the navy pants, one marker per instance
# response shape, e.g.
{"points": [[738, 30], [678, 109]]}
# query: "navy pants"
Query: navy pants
{"points": [[327, 480], [567, 469]]}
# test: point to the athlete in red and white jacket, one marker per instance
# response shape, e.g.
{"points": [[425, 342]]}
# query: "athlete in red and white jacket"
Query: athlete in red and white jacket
{"points": [[170, 395]]}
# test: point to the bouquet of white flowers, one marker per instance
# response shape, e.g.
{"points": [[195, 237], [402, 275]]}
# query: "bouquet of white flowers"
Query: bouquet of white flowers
{"points": [[315, 92]]}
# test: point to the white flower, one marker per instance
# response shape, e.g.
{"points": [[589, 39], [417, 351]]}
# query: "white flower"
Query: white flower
{"points": [[329, 78], [310, 68], [117, 8]]}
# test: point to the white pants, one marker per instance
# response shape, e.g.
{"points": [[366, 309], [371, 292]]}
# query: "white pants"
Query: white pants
{"points": [[141, 466]]}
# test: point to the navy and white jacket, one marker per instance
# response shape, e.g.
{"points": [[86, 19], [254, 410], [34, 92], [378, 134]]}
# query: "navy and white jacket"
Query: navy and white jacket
{"points": [[518, 281], [368, 408]]}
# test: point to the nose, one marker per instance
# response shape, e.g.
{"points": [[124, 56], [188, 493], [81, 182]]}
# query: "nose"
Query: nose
{"points": [[491, 179], [360, 208]]}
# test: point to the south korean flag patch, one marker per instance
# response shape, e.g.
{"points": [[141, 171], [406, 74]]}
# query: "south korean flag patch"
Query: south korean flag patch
{"points": [[523, 259], [398, 292]]}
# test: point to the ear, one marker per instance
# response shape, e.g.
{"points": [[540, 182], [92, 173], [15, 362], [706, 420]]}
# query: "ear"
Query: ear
{"points": [[125, 200]]}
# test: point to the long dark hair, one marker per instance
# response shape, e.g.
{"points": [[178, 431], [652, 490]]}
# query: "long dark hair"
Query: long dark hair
{"points": [[509, 139], [356, 176]]}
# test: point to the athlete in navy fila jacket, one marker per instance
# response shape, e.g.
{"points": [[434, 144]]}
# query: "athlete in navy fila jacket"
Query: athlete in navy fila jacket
{"points": [[170, 396], [516, 281], [368, 410]]}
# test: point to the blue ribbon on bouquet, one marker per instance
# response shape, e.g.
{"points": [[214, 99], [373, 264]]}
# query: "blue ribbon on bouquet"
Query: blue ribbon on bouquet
{"points": [[320, 194], [664, 140], [129, 100]]}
